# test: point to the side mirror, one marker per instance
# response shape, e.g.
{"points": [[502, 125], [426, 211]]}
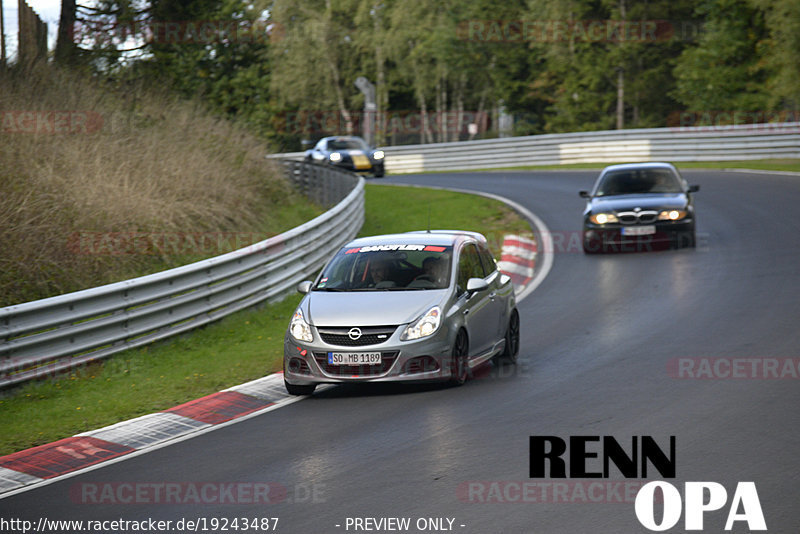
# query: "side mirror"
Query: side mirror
{"points": [[694, 188], [476, 284], [304, 287], [584, 194]]}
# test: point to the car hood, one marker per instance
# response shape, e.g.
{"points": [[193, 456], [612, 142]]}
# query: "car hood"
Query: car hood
{"points": [[645, 202], [369, 308]]}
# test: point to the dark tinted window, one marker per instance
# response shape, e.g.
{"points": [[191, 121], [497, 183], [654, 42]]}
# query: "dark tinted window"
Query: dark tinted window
{"points": [[638, 181], [345, 144], [469, 266], [388, 267], [489, 265]]}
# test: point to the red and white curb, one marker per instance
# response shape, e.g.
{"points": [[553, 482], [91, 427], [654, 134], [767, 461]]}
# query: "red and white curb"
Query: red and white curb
{"points": [[518, 260], [68, 457], [45, 463]]}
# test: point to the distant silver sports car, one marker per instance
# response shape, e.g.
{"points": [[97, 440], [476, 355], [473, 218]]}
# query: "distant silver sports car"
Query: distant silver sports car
{"points": [[348, 152], [418, 307]]}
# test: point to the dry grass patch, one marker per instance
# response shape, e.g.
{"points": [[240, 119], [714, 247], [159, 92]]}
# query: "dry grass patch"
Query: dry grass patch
{"points": [[131, 162]]}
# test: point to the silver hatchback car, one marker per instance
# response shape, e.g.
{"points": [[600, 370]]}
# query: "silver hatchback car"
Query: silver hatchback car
{"points": [[420, 306]]}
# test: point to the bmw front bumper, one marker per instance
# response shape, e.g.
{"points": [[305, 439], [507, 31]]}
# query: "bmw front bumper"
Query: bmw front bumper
{"points": [[610, 237]]}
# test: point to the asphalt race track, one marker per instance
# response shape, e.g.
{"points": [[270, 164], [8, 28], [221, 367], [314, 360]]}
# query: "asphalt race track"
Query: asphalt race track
{"points": [[603, 339]]}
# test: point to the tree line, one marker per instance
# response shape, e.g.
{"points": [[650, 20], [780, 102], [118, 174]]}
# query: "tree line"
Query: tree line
{"points": [[287, 68]]}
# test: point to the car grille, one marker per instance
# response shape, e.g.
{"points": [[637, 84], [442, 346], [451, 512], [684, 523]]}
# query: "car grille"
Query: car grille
{"points": [[387, 359], [637, 217], [343, 337]]}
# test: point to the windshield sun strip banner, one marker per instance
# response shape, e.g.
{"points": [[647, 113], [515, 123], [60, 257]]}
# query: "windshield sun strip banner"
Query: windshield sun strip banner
{"points": [[392, 248]]}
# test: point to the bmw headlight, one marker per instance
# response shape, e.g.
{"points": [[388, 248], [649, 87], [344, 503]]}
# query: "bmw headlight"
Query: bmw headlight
{"points": [[378, 154], [336, 157], [672, 215], [299, 328], [603, 218], [425, 326]]}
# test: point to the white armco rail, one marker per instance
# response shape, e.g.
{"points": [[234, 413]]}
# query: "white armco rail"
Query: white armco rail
{"points": [[719, 143]]}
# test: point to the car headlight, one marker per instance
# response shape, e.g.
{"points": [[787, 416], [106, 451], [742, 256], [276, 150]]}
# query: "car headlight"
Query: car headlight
{"points": [[336, 157], [378, 154], [299, 328], [424, 326], [672, 215], [603, 218]]}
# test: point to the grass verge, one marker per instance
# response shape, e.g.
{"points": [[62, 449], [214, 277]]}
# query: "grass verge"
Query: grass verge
{"points": [[242, 347]]}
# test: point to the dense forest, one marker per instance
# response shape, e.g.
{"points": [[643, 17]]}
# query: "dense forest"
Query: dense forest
{"points": [[287, 68]]}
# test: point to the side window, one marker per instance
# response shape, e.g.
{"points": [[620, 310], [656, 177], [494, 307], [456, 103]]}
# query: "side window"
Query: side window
{"points": [[469, 266], [489, 265]]}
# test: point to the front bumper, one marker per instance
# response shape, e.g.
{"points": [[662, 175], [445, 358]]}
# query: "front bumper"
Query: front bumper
{"points": [[609, 237], [422, 360], [375, 167]]}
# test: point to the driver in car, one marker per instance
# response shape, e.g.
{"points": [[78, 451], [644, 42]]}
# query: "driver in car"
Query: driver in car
{"points": [[431, 270], [379, 274]]}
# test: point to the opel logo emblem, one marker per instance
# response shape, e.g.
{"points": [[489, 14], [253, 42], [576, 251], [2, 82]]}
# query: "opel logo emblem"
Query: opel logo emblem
{"points": [[354, 333]]}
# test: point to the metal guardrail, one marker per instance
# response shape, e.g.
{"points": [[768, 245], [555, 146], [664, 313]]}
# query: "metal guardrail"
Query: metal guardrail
{"points": [[48, 336], [719, 143]]}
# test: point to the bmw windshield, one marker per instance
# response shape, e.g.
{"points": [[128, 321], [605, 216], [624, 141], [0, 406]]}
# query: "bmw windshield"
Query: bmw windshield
{"points": [[638, 181], [388, 268]]}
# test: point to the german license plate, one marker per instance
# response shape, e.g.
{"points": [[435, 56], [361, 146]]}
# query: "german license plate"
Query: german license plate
{"points": [[354, 358], [638, 230], [360, 161]]}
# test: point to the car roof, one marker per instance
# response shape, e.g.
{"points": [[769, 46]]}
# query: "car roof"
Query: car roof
{"points": [[420, 237], [642, 165], [341, 137]]}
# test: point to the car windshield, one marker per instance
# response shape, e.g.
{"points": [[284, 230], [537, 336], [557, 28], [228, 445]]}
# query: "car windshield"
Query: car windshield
{"points": [[345, 144], [391, 267], [638, 181]]}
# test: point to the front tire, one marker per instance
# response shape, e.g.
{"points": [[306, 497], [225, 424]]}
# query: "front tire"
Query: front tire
{"points": [[293, 389], [691, 239], [685, 240], [460, 359], [592, 245], [511, 350]]}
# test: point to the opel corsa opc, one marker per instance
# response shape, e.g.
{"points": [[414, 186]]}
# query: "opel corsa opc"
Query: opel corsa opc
{"points": [[420, 306]]}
